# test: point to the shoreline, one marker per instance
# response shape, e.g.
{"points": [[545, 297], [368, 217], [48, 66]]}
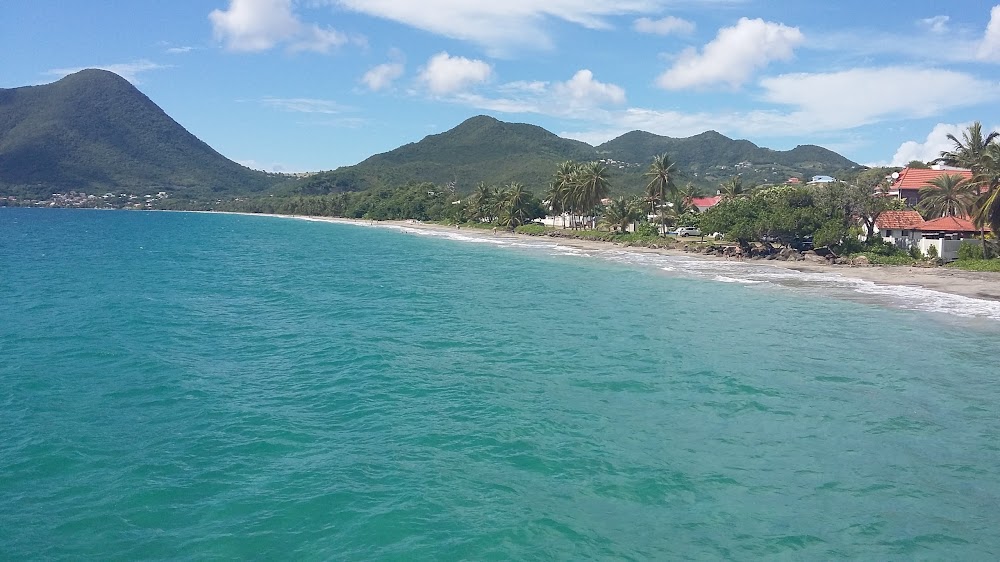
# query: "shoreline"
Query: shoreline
{"points": [[971, 284]]}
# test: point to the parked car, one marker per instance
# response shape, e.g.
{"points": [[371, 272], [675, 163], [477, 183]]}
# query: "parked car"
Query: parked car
{"points": [[687, 231], [802, 244]]}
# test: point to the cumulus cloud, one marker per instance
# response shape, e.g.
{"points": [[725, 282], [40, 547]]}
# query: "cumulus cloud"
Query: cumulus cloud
{"points": [[583, 90], [500, 26], [839, 100], [989, 48], [663, 26], [127, 70], [936, 142], [445, 74], [733, 56], [259, 25], [382, 76], [936, 24]]}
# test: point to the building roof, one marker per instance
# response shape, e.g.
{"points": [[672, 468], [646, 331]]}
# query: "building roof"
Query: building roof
{"points": [[706, 201], [948, 224], [906, 220], [918, 178]]}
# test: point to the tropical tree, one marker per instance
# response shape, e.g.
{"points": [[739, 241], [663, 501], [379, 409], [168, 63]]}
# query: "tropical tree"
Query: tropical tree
{"points": [[591, 186], [515, 206], [981, 155], [661, 184], [732, 188], [948, 195], [483, 203], [619, 214], [561, 191]]}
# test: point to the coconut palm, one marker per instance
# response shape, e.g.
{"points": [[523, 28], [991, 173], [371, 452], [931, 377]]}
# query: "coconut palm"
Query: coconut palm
{"points": [[661, 185], [732, 188], [483, 203], [591, 186], [981, 155], [619, 214], [515, 206], [562, 189], [948, 195]]}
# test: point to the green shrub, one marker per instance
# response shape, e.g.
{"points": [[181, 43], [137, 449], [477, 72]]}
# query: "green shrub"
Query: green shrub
{"points": [[970, 251], [901, 259], [876, 245], [977, 265], [932, 252], [915, 253], [645, 229], [531, 229]]}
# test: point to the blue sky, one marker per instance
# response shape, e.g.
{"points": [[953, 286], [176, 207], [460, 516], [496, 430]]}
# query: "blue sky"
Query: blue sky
{"points": [[299, 85]]}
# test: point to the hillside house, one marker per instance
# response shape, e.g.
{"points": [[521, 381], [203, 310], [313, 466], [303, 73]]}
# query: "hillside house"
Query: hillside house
{"points": [[910, 181]]}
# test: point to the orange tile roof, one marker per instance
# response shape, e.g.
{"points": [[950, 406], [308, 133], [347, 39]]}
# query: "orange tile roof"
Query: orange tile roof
{"points": [[948, 224], [906, 220], [917, 178]]}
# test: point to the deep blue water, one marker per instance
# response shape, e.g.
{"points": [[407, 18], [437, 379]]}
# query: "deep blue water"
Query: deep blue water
{"points": [[192, 386]]}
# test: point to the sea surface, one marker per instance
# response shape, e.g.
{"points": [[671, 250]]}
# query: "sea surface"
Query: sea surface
{"points": [[198, 386]]}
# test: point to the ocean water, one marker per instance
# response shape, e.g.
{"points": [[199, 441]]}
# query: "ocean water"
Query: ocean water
{"points": [[193, 386]]}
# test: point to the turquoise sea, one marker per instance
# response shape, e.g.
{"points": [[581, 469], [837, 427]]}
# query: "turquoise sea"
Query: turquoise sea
{"points": [[194, 386]]}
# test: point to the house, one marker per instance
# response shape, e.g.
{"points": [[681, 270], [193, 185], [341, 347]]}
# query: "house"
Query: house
{"points": [[822, 179], [907, 183], [907, 229], [705, 203], [793, 181]]}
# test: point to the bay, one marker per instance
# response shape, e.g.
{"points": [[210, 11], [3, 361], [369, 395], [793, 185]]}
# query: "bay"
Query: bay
{"points": [[192, 386]]}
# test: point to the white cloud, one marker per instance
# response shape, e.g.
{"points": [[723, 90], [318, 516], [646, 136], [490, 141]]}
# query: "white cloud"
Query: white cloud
{"points": [[989, 48], [663, 26], [936, 24], [179, 50], [500, 26], [583, 90], [850, 98], [127, 70], [382, 76], [445, 74], [733, 56], [259, 25], [304, 105], [936, 142]]}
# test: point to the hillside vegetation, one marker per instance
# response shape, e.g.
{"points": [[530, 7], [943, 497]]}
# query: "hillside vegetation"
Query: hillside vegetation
{"points": [[94, 131], [483, 149]]}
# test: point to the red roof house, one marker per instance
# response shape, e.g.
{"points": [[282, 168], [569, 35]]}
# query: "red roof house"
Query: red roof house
{"points": [[911, 180], [949, 225], [898, 220], [705, 203]]}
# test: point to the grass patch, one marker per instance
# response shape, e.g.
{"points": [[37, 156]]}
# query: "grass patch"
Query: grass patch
{"points": [[977, 265], [878, 259]]}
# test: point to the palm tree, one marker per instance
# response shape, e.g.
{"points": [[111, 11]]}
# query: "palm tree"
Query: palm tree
{"points": [[561, 190], [591, 186], [515, 206], [483, 202], [948, 195], [661, 172], [619, 214], [981, 155], [732, 188]]}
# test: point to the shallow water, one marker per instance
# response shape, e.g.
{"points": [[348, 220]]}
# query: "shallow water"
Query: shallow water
{"points": [[209, 386]]}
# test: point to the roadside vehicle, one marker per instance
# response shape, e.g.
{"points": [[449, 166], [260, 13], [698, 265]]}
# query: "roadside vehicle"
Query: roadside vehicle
{"points": [[687, 231]]}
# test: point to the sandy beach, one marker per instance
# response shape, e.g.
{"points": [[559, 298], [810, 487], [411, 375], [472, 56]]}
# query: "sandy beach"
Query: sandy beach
{"points": [[977, 285]]}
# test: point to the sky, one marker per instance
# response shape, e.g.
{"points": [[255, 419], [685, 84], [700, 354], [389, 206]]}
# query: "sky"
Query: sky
{"points": [[305, 85]]}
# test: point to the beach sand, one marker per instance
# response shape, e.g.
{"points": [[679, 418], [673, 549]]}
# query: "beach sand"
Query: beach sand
{"points": [[977, 285]]}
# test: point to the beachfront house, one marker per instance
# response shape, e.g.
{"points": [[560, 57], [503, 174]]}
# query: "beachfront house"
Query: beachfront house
{"points": [[908, 182], [907, 229], [705, 203]]}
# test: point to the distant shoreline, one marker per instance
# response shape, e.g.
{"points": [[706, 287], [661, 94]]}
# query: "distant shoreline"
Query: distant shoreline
{"points": [[976, 285]]}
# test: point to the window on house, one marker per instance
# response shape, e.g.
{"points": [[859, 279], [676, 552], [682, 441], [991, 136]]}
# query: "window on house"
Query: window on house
{"points": [[905, 233], [888, 234]]}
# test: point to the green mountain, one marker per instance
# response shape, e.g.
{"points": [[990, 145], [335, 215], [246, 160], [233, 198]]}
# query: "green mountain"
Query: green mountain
{"points": [[485, 149], [93, 131], [480, 149], [711, 157]]}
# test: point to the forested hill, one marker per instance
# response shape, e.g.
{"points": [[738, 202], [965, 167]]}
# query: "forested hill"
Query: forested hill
{"points": [[94, 131], [483, 149], [480, 149]]}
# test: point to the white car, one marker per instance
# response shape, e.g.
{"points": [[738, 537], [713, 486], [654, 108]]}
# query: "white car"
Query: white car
{"points": [[687, 231]]}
